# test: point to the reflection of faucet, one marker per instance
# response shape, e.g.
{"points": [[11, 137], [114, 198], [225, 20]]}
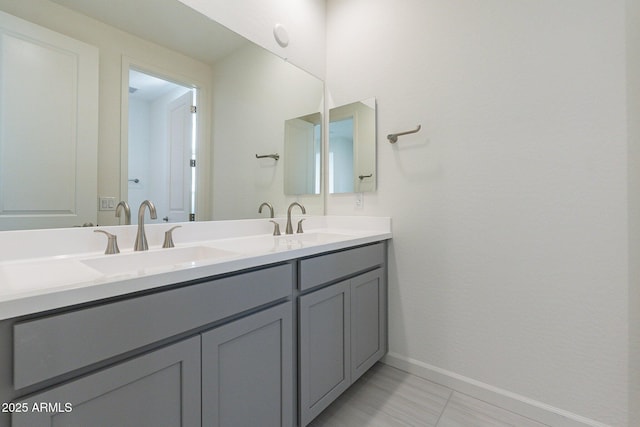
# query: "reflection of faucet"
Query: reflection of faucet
{"points": [[267, 205], [289, 229], [141, 238], [127, 212]]}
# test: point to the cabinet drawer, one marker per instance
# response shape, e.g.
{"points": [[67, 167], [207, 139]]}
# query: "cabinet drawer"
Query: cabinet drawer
{"points": [[327, 268], [51, 346]]}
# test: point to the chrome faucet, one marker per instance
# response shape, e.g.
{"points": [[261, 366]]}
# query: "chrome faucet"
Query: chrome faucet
{"points": [[127, 212], [267, 205], [289, 229], [141, 238]]}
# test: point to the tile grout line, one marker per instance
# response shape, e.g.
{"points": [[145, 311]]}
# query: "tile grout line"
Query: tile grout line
{"points": [[502, 408], [444, 408]]}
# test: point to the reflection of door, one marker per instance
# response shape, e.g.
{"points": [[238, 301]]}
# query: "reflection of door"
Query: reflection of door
{"points": [[180, 153], [48, 128], [161, 146]]}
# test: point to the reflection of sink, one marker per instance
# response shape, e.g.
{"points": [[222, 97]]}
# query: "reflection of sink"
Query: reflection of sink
{"points": [[163, 259]]}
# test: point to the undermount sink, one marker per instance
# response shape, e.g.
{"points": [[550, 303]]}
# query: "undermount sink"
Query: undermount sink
{"points": [[155, 261]]}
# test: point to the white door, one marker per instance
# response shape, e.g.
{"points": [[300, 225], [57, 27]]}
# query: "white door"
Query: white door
{"points": [[48, 127], [180, 131]]}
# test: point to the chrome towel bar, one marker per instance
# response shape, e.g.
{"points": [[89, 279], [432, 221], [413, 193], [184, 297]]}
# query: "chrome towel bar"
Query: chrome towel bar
{"points": [[393, 137]]}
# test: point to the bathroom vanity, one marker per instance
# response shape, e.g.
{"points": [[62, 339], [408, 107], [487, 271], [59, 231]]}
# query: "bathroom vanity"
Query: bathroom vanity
{"points": [[268, 334]]}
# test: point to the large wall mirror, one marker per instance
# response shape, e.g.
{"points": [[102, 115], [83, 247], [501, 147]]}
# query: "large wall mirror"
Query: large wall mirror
{"points": [[352, 147], [244, 95]]}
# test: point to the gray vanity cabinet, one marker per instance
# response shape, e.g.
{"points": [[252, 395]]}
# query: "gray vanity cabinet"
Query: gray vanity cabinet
{"points": [[325, 329], [247, 371], [368, 321], [218, 352], [161, 388], [343, 326], [153, 359]]}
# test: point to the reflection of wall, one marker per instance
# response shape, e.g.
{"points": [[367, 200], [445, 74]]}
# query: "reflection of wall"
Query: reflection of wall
{"points": [[353, 124], [633, 162], [341, 166], [302, 147], [254, 19], [509, 260], [365, 149], [254, 93], [113, 44]]}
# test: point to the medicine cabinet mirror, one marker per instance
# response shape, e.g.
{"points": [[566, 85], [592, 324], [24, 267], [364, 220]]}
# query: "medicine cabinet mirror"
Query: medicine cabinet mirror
{"points": [[352, 147]]}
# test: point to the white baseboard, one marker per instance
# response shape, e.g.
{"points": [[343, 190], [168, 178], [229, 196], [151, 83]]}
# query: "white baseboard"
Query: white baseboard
{"points": [[522, 405]]}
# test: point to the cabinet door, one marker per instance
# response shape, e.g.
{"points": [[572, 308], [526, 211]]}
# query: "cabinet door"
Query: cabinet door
{"points": [[161, 388], [368, 321], [247, 371], [324, 348]]}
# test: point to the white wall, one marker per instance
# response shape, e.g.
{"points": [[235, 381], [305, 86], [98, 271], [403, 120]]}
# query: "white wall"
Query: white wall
{"points": [[508, 265], [255, 19], [633, 120]]}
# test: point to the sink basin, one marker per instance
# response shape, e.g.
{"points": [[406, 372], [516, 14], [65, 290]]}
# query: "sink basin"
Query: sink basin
{"points": [[155, 261]]}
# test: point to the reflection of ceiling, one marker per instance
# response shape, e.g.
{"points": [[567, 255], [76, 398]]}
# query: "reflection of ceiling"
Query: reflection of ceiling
{"points": [[148, 87], [165, 22]]}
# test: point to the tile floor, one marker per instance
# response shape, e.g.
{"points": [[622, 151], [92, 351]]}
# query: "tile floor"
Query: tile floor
{"points": [[389, 397]]}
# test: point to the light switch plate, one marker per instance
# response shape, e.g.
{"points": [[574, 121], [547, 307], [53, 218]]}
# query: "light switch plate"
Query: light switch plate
{"points": [[107, 204], [359, 200]]}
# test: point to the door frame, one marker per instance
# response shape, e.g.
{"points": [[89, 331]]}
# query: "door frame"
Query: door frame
{"points": [[203, 131]]}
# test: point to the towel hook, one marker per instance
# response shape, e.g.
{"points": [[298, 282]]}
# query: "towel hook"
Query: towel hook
{"points": [[393, 137]]}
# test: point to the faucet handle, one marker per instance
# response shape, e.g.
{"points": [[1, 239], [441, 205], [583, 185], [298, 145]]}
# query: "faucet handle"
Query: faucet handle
{"points": [[299, 230], [276, 228], [168, 237], [112, 243]]}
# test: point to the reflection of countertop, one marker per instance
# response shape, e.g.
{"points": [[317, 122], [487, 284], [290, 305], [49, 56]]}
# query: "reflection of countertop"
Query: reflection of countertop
{"points": [[48, 269]]}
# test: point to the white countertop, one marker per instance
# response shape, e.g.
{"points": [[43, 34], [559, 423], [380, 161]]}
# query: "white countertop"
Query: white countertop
{"points": [[48, 269]]}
